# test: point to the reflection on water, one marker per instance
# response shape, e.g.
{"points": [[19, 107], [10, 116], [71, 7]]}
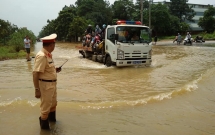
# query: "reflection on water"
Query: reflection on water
{"points": [[113, 100], [29, 66]]}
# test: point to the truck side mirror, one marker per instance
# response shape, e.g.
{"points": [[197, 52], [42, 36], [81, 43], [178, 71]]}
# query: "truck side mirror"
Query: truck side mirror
{"points": [[116, 36]]}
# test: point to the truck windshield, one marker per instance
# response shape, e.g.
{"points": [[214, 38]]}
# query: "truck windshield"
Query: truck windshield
{"points": [[133, 34]]}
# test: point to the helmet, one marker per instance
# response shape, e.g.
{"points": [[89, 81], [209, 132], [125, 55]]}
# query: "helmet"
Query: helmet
{"points": [[89, 25], [103, 25]]}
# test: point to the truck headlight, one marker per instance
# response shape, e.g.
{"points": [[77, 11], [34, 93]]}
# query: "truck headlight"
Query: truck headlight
{"points": [[120, 54]]}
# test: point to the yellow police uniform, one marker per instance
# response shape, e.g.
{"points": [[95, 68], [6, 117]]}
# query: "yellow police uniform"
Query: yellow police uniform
{"points": [[44, 64], [45, 81]]}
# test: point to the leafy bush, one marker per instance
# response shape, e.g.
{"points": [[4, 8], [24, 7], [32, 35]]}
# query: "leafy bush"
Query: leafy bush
{"points": [[17, 39], [9, 53], [208, 36]]}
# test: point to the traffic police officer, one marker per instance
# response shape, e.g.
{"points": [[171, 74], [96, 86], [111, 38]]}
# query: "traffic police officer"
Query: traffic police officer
{"points": [[45, 81]]}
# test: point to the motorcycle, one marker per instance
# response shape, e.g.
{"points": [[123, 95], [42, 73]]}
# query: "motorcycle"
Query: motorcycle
{"points": [[199, 39], [188, 41], [96, 42]]}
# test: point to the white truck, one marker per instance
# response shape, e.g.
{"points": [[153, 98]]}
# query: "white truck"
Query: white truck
{"points": [[127, 43]]}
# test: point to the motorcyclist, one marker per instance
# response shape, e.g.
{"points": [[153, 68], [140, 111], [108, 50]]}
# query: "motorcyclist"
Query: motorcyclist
{"points": [[96, 39], [93, 38], [199, 39], [188, 39], [98, 30], [179, 39], [103, 30], [175, 39], [188, 36], [89, 29], [88, 39]]}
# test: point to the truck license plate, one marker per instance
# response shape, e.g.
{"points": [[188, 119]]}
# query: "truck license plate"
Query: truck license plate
{"points": [[136, 62]]}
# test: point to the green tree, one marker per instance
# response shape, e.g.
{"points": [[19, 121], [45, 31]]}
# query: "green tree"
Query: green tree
{"points": [[77, 27], [207, 22], [48, 29], [98, 11], [182, 10], [162, 22], [137, 7], [17, 38], [123, 9], [6, 29], [63, 22]]}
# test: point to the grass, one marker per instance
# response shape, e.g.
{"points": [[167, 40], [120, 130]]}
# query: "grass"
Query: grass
{"points": [[8, 52]]}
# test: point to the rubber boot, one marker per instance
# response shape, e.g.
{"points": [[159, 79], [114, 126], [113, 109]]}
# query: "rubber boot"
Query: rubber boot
{"points": [[52, 116], [44, 124]]}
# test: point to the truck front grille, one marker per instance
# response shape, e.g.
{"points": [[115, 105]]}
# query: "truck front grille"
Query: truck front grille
{"points": [[135, 56]]}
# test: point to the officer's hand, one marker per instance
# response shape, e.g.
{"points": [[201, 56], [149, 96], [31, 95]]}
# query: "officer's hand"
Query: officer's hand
{"points": [[37, 93], [58, 69]]}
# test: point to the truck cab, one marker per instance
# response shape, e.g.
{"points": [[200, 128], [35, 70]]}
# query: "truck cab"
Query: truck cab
{"points": [[127, 44]]}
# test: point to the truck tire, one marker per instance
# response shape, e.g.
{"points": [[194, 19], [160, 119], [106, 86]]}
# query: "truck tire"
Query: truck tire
{"points": [[84, 54], [103, 59], [94, 58], [108, 61], [99, 58]]}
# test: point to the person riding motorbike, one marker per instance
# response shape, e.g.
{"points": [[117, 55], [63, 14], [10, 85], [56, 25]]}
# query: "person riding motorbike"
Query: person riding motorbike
{"points": [[89, 29], [188, 39], [179, 39], [188, 36], [96, 41], [175, 39], [98, 30], [199, 39], [88, 39], [103, 31]]}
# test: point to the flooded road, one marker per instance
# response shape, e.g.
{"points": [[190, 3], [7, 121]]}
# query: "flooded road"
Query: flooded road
{"points": [[175, 95]]}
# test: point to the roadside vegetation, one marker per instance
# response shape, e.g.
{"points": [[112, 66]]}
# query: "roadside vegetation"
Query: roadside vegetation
{"points": [[9, 53], [166, 20], [12, 40]]}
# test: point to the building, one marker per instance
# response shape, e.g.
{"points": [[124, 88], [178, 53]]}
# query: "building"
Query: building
{"points": [[199, 9]]}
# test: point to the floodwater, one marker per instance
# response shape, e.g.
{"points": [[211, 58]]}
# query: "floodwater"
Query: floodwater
{"points": [[174, 96]]}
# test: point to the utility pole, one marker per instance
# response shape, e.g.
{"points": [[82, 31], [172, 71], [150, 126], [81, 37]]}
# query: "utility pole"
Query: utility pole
{"points": [[141, 11], [150, 14]]}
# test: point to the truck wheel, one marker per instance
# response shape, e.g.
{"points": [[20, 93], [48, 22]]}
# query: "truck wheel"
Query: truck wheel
{"points": [[94, 58], [84, 54], [99, 58], [108, 61]]}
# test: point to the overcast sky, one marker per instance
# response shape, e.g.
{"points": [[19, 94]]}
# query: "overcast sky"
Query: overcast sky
{"points": [[34, 14]]}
